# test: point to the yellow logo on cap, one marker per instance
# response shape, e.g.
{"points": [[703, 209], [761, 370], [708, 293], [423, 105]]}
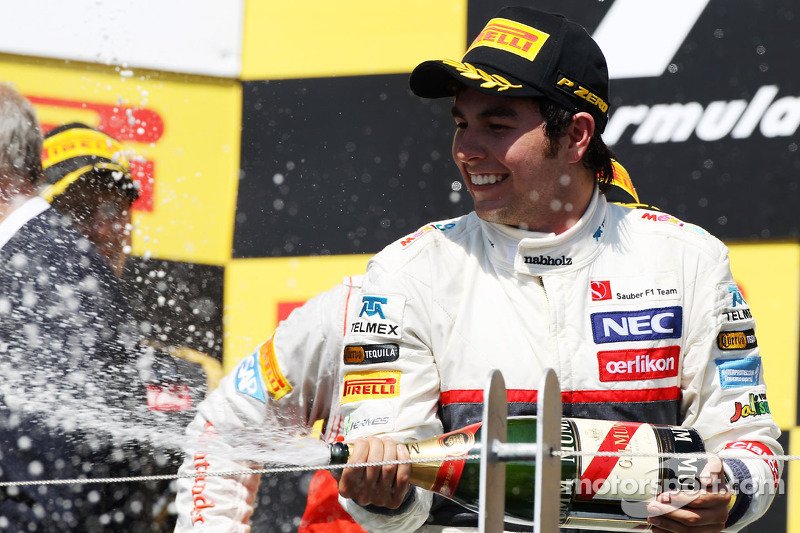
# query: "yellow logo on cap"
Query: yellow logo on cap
{"points": [[490, 81], [511, 36]]}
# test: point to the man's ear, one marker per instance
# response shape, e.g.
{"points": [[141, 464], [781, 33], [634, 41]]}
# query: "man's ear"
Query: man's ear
{"points": [[579, 133]]}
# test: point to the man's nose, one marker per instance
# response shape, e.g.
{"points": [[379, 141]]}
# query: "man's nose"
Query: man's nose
{"points": [[467, 147]]}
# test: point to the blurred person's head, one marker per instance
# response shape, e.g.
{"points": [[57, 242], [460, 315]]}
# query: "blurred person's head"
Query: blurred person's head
{"points": [[20, 145], [88, 178]]}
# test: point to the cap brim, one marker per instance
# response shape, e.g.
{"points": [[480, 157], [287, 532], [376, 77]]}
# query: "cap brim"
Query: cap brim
{"points": [[438, 79]]}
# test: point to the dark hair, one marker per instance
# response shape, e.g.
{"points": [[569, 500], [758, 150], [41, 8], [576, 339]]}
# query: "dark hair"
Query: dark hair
{"points": [[597, 157], [20, 139]]}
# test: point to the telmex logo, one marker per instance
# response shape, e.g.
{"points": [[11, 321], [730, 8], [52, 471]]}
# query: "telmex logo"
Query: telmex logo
{"points": [[647, 324], [372, 306], [511, 36], [124, 123]]}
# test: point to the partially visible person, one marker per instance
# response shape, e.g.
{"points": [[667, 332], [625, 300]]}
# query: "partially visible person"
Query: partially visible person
{"points": [[68, 354], [290, 380], [87, 178]]}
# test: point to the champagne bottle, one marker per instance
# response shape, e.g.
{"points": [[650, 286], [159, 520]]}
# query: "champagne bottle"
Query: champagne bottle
{"points": [[598, 493]]}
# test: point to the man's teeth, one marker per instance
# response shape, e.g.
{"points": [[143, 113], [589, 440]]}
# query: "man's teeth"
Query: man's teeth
{"points": [[486, 179]]}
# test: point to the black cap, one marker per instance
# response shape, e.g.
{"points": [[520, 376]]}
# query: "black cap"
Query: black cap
{"points": [[75, 150], [526, 52]]}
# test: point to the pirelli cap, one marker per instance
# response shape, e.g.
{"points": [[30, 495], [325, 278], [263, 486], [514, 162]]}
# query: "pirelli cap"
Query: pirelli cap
{"points": [[526, 52], [75, 150]]}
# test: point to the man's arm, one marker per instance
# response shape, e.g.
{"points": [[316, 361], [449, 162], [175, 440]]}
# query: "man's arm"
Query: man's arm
{"points": [[287, 381], [391, 398], [724, 396]]}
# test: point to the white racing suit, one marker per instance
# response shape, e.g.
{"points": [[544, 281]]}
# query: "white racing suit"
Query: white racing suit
{"points": [[294, 376], [636, 312]]}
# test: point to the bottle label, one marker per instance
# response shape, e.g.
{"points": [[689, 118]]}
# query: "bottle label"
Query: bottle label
{"points": [[617, 478], [441, 475]]}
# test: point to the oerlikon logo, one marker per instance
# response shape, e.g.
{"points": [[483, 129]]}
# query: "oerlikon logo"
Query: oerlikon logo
{"points": [[124, 123]]}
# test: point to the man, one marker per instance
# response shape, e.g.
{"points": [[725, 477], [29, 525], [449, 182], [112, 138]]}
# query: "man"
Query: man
{"points": [[546, 273], [88, 179], [67, 353]]}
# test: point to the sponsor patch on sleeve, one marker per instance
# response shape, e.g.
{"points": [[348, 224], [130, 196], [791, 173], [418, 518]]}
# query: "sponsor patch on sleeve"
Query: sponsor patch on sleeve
{"points": [[370, 353], [760, 449], [370, 386], [380, 315], [755, 405], [248, 378], [737, 340], [412, 237], [277, 384], [742, 372], [734, 309]]}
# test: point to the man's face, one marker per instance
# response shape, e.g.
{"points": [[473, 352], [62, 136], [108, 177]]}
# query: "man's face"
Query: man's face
{"points": [[501, 149], [103, 215]]}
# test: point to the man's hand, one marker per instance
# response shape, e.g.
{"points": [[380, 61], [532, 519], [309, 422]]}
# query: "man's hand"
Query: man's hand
{"points": [[384, 486], [705, 510]]}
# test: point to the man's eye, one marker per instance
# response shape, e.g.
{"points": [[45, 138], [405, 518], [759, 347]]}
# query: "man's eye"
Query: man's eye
{"points": [[498, 127], [461, 125]]}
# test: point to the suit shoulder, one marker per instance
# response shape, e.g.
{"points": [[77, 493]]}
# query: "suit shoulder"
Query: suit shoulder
{"points": [[434, 235], [659, 225]]}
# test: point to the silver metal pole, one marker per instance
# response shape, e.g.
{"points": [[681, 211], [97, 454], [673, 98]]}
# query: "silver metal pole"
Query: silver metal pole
{"points": [[548, 466], [492, 502]]}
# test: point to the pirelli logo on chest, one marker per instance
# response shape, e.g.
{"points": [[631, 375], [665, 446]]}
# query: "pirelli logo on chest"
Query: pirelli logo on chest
{"points": [[377, 385]]}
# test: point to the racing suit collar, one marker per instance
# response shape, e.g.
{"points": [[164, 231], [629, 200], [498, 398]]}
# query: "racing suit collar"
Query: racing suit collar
{"points": [[536, 254]]}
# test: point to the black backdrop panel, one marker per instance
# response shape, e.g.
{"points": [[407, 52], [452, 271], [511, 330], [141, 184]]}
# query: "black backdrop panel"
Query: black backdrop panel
{"points": [[181, 302], [341, 166]]}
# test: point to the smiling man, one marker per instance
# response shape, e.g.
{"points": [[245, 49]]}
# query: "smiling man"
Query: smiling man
{"points": [[546, 273]]}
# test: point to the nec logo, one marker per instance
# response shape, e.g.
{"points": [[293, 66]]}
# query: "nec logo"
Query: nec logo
{"points": [[646, 324], [601, 290]]}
